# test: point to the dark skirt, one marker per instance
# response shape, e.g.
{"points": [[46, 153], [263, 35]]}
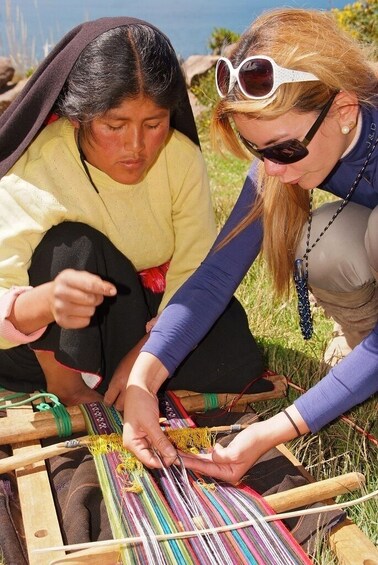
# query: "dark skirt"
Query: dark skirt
{"points": [[226, 360]]}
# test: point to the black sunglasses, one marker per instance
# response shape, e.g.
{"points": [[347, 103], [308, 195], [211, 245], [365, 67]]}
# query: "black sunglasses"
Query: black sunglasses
{"points": [[292, 150]]}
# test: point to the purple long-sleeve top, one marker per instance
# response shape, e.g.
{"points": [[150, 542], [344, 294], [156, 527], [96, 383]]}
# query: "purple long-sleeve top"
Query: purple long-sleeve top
{"points": [[199, 302]]}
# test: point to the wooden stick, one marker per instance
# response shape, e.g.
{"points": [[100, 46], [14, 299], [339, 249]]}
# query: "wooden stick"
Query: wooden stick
{"points": [[278, 381], [95, 556], [25, 459], [41, 425], [351, 546], [315, 492], [198, 402], [40, 521]]}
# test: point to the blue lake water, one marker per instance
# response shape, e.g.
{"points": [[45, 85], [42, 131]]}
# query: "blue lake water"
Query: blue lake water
{"points": [[188, 23]]}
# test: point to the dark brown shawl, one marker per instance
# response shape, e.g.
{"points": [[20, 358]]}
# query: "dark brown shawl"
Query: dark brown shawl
{"points": [[25, 117]]}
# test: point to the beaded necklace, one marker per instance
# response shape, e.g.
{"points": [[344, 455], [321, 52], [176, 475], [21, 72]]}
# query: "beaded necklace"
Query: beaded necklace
{"points": [[301, 265]]}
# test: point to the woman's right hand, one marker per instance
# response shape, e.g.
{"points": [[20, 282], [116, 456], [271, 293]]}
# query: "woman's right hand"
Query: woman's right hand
{"points": [[75, 296], [142, 434]]}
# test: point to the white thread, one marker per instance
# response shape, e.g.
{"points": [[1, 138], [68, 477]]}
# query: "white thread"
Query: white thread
{"points": [[227, 528]]}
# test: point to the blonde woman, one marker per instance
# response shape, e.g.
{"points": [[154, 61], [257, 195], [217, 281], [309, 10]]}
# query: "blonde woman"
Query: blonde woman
{"points": [[301, 98]]}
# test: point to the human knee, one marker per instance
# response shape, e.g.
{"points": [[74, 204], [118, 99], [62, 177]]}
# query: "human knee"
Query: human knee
{"points": [[338, 261], [67, 245], [371, 242]]}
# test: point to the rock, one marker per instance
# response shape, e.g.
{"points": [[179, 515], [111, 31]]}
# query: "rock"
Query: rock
{"points": [[197, 107], [9, 93], [6, 71], [197, 65]]}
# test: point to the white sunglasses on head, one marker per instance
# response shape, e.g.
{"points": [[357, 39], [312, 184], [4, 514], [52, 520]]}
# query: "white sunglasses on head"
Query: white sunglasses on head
{"points": [[258, 76]]}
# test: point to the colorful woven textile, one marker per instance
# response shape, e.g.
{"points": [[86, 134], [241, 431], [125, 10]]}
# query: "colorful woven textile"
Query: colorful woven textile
{"points": [[145, 504]]}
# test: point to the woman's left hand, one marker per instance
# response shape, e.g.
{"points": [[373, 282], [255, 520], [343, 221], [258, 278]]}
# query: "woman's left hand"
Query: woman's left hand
{"points": [[232, 462]]}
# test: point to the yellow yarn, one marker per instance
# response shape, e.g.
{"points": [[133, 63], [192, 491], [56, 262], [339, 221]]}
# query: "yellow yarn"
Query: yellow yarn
{"points": [[205, 485], [101, 444], [133, 487], [192, 440]]}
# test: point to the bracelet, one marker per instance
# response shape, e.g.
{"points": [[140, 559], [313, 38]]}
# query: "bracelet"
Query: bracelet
{"points": [[292, 422]]}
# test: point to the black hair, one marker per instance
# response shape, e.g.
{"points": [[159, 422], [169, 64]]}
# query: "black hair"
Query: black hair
{"points": [[124, 62]]}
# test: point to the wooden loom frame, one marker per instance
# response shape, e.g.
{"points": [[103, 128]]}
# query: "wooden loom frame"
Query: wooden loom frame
{"points": [[350, 545]]}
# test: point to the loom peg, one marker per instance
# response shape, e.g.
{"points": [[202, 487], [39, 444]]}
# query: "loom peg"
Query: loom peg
{"points": [[315, 492]]}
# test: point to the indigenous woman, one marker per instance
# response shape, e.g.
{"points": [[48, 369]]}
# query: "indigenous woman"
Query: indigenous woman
{"points": [[105, 212]]}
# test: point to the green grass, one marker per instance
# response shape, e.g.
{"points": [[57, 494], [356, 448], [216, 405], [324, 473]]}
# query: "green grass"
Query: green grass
{"points": [[338, 448]]}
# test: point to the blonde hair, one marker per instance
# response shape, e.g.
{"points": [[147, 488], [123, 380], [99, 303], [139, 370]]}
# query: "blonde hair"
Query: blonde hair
{"points": [[303, 40]]}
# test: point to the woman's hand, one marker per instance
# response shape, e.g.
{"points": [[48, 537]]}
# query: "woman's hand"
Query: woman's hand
{"points": [[70, 300], [232, 462], [142, 434], [151, 323], [75, 296]]}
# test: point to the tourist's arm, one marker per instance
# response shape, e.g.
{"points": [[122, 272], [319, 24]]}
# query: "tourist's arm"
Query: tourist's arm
{"points": [[350, 382], [202, 299]]}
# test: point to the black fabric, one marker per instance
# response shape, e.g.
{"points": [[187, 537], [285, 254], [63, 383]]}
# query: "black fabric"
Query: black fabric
{"points": [[26, 116], [12, 546], [119, 322], [226, 360]]}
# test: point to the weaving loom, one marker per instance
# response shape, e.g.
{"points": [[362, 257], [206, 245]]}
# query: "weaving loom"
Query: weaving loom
{"points": [[146, 504], [178, 512]]}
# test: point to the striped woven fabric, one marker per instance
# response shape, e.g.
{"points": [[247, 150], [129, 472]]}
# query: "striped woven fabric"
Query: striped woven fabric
{"points": [[146, 504]]}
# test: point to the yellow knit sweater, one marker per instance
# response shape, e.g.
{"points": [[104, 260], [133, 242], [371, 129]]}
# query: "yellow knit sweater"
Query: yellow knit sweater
{"points": [[167, 216]]}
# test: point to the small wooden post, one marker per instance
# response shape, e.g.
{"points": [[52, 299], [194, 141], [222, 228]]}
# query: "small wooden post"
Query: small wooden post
{"points": [[39, 516]]}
